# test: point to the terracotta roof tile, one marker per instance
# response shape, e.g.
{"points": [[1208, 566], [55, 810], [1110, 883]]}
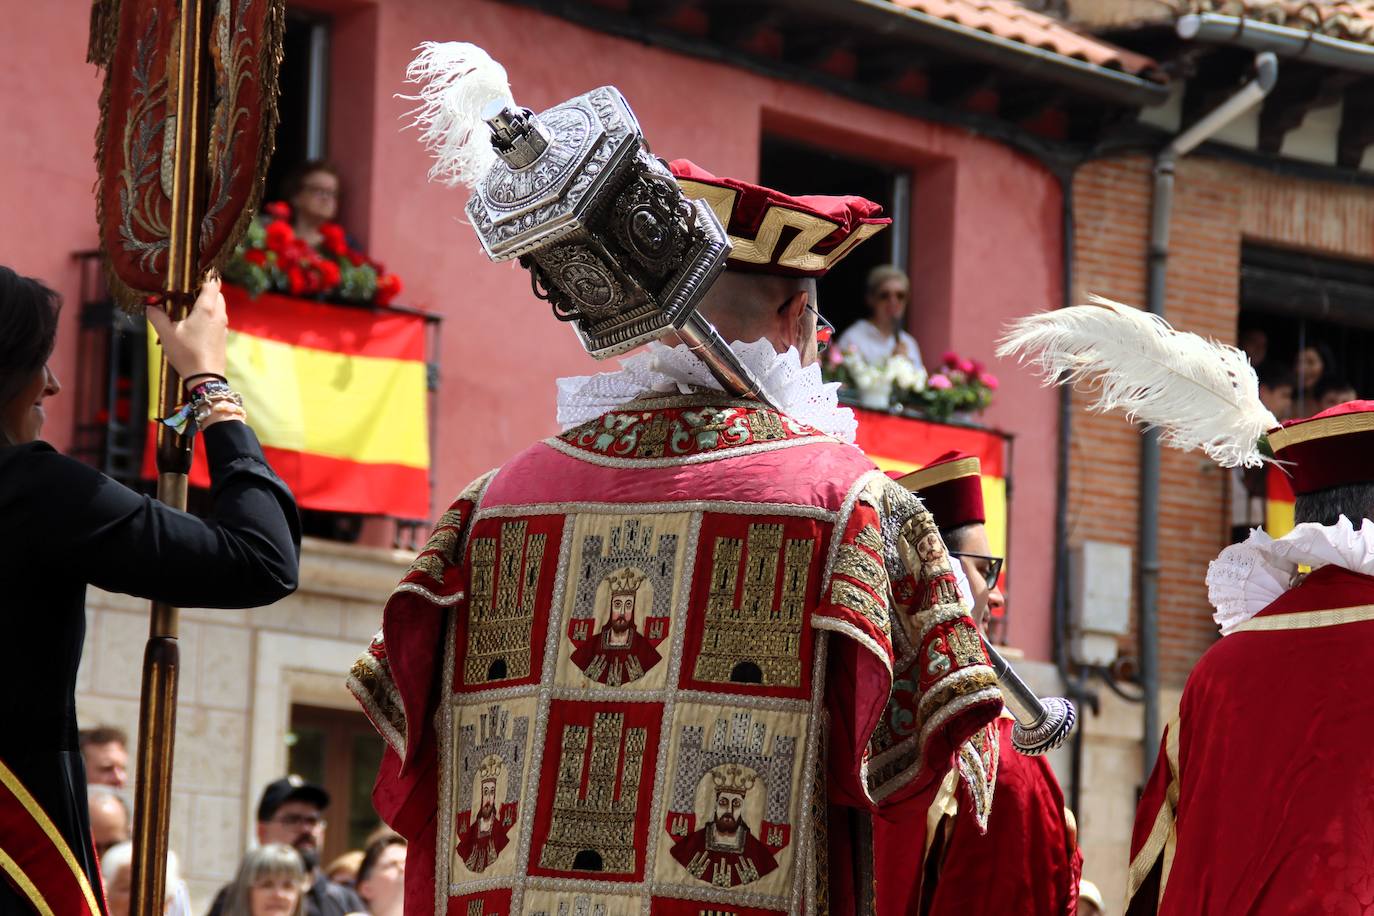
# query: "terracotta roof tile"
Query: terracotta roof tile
{"points": [[1351, 20], [1014, 22]]}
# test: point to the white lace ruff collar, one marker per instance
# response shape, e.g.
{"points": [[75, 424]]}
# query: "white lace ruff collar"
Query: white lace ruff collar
{"points": [[800, 393], [1248, 577]]}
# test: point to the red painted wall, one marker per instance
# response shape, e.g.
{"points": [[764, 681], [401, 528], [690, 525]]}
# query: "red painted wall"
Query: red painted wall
{"points": [[985, 239]]}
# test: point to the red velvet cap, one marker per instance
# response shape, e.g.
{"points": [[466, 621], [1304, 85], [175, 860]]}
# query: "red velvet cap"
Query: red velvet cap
{"points": [[1329, 449], [775, 233], [951, 486]]}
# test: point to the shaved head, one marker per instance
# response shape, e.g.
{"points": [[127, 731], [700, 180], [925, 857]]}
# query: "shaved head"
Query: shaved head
{"points": [[747, 307]]}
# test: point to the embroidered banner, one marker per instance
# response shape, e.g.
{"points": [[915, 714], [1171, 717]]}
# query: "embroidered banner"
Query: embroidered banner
{"points": [[35, 857], [137, 41], [338, 396], [905, 444]]}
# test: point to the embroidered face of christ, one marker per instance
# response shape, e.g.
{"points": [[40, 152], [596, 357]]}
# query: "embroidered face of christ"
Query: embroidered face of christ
{"points": [[729, 815], [622, 619], [487, 814]]}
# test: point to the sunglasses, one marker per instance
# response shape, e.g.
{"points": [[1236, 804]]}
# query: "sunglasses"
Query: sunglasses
{"points": [[825, 331], [993, 571]]}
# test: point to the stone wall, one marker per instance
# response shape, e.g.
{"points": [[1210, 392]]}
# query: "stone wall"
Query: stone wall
{"points": [[240, 673]]}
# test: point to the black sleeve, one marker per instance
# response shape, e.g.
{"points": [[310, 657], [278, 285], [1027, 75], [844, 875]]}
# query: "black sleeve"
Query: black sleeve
{"points": [[247, 553]]}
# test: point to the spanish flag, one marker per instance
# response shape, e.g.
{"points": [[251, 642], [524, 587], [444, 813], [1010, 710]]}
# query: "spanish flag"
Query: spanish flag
{"points": [[903, 444], [338, 397]]}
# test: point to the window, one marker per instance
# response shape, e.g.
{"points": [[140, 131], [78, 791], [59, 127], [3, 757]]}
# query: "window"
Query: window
{"points": [[340, 751], [304, 100], [795, 168]]}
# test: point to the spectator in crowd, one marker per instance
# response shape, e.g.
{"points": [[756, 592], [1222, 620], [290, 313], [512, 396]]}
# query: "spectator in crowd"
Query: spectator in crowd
{"points": [[105, 750], [109, 818], [344, 869], [1315, 365], [881, 334], [1277, 389], [291, 811], [312, 190], [1090, 899], [1335, 390], [117, 867], [271, 881], [382, 875], [1255, 342]]}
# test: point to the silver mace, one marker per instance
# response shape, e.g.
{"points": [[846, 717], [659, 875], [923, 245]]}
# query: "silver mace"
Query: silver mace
{"points": [[1041, 724]]}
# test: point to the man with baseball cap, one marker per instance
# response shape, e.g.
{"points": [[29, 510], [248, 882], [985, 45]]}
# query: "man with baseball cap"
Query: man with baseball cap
{"points": [[291, 811]]}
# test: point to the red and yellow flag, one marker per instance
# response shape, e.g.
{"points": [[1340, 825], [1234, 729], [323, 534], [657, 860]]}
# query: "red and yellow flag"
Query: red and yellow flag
{"points": [[1278, 502], [338, 397], [904, 444]]}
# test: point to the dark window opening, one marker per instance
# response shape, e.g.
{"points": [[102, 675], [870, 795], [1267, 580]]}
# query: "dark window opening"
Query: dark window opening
{"points": [[798, 169], [303, 102], [746, 673], [497, 671], [587, 860], [340, 751]]}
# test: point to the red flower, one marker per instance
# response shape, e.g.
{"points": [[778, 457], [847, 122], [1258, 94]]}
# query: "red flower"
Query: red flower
{"points": [[256, 256], [388, 288], [977, 366], [295, 280], [332, 239], [277, 209], [988, 379], [965, 366], [329, 274], [950, 358], [280, 237]]}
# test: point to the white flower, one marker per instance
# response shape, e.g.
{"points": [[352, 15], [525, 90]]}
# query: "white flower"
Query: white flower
{"points": [[896, 371]]}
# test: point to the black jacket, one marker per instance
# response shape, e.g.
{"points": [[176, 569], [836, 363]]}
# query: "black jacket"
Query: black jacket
{"points": [[64, 525]]}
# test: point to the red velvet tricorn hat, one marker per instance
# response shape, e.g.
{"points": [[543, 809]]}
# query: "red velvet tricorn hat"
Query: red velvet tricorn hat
{"points": [[776, 233], [1328, 449], [951, 486]]}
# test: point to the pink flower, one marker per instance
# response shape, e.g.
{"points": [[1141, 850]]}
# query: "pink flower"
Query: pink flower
{"points": [[977, 367], [965, 366], [949, 358], [988, 379], [938, 381], [834, 358]]}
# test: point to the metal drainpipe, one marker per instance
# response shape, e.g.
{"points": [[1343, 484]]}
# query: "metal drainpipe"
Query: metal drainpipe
{"points": [[1161, 209]]}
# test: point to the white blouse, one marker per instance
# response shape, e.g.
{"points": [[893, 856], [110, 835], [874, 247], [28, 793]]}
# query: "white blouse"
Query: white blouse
{"points": [[873, 345]]}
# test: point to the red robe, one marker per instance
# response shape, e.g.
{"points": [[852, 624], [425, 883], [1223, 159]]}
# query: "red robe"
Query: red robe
{"points": [[779, 562], [1260, 801], [1027, 863]]}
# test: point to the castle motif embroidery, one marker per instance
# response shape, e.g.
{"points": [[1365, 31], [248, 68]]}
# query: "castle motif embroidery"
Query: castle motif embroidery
{"points": [[482, 831], [725, 851], [505, 584], [628, 584]]}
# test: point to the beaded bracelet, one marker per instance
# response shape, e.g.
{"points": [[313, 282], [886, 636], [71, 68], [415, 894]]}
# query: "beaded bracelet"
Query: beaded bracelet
{"points": [[202, 403]]}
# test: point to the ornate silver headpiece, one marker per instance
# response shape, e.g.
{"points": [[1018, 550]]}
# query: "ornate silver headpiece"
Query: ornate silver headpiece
{"points": [[609, 238]]}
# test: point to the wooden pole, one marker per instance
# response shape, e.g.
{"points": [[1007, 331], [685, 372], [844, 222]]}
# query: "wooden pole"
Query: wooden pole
{"points": [[161, 658]]}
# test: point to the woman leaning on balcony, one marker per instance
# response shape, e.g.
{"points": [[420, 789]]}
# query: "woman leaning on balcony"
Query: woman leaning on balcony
{"points": [[64, 525]]}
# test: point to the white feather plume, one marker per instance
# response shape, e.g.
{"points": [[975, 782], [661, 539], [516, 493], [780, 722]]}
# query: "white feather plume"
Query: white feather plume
{"points": [[457, 80], [1200, 394]]}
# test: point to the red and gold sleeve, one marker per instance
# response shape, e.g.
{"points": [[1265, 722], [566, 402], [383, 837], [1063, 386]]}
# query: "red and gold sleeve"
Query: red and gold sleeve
{"points": [[1154, 836]]}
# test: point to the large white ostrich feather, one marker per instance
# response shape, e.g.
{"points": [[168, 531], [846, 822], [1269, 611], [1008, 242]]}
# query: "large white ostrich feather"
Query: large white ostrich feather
{"points": [[1200, 394], [457, 80]]}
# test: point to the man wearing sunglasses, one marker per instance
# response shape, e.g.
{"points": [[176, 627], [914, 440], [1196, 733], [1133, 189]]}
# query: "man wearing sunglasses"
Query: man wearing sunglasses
{"points": [[1028, 861]]}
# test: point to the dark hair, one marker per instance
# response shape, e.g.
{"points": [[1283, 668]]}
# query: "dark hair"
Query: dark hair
{"points": [[1328, 359], [1332, 383], [1273, 374], [101, 734], [374, 852], [28, 331], [954, 537], [1325, 507], [295, 179]]}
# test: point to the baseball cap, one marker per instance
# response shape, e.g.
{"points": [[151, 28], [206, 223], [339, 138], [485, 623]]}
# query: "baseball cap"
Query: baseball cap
{"points": [[290, 788]]}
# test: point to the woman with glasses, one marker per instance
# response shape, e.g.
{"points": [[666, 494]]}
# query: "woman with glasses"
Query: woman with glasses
{"points": [[881, 335]]}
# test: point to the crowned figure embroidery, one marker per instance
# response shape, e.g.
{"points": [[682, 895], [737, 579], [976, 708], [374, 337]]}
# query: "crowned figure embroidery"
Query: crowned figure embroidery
{"points": [[619, 653], [486, 833], [724, 851]]}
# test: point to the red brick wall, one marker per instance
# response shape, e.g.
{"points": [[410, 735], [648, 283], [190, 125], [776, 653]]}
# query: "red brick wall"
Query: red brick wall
{"points": [[1217, 206]]}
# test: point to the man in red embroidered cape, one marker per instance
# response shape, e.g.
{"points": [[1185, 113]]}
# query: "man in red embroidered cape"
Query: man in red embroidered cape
{"points": [[1027, 862], [1259, 802], [777, 563]]}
